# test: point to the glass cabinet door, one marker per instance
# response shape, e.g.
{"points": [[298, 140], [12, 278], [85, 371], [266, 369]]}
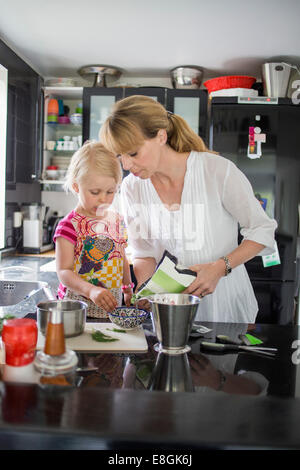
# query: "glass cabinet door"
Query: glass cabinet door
{"points": [[97, 103], [192, 106]]}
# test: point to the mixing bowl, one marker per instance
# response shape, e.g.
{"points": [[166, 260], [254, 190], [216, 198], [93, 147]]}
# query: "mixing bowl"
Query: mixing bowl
{"points": [[186, 77], [128, 317]]}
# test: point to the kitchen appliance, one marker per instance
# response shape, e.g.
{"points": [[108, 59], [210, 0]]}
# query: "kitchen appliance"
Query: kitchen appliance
{"points": [[261, 136], [37, 231]]}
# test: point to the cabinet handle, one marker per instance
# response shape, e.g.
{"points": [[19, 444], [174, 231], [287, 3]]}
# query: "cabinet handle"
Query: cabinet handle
{"points": [[33, 177]]}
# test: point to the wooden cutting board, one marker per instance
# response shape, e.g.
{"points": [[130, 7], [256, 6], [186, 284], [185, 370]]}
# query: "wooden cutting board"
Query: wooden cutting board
{"points": [[133, 341]]}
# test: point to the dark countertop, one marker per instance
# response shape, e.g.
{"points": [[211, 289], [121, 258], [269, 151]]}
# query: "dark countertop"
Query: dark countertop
{"points": [[124, 405], [113, 407]]}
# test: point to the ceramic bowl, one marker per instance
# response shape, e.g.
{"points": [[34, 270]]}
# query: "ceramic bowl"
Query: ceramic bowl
{"points": [[128, 317], [76, 118]]}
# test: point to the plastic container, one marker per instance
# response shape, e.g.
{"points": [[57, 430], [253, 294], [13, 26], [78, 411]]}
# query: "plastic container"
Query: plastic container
{"points": [[53, 106], [19, 337], [230, 81]]}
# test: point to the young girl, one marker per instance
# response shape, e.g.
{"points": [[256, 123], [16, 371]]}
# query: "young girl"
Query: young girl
{"points": [[90, 241]]}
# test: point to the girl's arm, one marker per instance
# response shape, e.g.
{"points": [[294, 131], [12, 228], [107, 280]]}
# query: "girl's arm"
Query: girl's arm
{"points": [[64, 254]]}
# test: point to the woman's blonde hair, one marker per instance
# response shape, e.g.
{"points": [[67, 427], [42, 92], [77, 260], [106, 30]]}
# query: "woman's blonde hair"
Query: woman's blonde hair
{"points": [[136, 118], [92, 156]]}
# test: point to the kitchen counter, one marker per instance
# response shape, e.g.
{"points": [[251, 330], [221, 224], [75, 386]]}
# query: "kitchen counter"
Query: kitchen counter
{"points": [[123, 404]]}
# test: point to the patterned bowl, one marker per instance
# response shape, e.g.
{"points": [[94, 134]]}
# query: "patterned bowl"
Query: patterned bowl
{"points": [[128, 317]]}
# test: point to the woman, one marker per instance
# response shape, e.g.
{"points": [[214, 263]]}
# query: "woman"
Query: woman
{"points": [[185, 199]]}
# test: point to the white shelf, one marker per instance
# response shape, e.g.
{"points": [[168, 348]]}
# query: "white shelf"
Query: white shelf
{"points": [[51, 181], [67, 92]]}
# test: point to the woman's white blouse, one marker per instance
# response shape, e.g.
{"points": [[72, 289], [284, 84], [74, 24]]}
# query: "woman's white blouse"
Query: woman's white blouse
{"points": [[216, 198]]}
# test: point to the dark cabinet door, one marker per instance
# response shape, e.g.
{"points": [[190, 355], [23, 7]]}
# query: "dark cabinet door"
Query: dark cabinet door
{"points": [[192, 106], [97, 103], [24, 116], [157, 93]]}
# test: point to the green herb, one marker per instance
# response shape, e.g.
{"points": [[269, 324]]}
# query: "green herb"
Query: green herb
{"points": [[116, 330], [101, 337], [6, 317]]}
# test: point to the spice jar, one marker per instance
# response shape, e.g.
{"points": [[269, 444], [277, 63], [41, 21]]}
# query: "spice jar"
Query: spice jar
{"points": [[19, 337], [56, 364]]}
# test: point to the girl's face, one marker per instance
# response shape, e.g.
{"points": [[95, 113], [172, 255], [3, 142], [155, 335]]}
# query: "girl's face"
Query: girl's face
{"points": [[143, 162], [95, 192]]}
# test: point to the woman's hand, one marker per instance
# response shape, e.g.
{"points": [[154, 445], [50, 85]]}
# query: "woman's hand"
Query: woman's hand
{"points": [[127, 296], [208, 276], [103, 298]]}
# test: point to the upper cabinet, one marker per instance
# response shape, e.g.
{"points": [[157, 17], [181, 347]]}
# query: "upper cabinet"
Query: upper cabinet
{"points": [[190, 104], [24, 119]]}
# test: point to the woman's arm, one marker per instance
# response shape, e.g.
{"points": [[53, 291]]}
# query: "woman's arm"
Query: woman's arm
{"points": [[209, 274], [127, 281], [64, 254], [143, 269]]}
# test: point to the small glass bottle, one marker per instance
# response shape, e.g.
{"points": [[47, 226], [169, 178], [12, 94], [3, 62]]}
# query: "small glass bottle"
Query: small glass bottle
{"points": [[56, 364]]}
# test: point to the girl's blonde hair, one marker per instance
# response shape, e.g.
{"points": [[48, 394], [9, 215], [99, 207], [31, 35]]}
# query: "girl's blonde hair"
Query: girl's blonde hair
{"points": [[92, 156], [137, 118]]}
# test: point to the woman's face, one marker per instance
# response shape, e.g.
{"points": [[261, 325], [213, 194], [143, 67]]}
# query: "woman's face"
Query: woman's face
{"points": [[143, 162]]}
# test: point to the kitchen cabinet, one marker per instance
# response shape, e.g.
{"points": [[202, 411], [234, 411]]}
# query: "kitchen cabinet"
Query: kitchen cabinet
{"points": [[190, 104], [24, 123], [60, 140]]}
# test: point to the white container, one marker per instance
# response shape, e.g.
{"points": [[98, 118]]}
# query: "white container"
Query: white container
{"points": [[51, 174], [50, 144]]}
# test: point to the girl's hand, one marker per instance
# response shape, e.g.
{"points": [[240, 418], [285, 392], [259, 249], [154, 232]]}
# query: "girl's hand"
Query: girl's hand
{"points": [[208, 276], [103, 298]]}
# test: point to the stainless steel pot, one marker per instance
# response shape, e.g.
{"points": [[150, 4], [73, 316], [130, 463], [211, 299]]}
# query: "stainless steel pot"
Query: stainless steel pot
{"points": [[74, 315]]}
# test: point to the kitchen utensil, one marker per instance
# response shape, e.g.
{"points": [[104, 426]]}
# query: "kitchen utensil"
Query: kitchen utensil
{"points": [[275, 77], [99, 73], [74, 315], [226, 340], [218, 347], [172, 317], [128, 317], [186, 77], [133, 341], [230, 81]]}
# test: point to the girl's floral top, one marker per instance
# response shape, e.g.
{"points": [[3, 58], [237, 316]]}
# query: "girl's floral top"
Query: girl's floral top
{"points": [[99, 247]]}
